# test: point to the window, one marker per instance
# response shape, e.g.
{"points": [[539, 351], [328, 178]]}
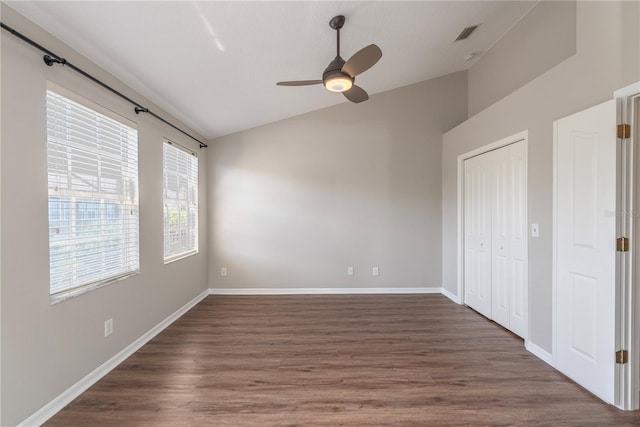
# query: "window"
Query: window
{"points": [[92, 163], [180, 186]]}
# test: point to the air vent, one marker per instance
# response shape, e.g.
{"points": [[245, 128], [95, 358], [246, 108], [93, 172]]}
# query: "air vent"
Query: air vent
{"points": [[464, 34]]}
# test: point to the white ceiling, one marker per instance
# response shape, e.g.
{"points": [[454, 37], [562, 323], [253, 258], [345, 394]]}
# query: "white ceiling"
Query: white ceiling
{"points": [[214, 65]]}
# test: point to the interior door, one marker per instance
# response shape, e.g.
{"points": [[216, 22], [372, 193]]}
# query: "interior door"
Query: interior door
{"points": [[477, 237], [501, 230], [517, 239], [585, 248]]}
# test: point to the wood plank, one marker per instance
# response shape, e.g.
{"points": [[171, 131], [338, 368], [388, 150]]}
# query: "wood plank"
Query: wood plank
{"points": [[336, 360]]}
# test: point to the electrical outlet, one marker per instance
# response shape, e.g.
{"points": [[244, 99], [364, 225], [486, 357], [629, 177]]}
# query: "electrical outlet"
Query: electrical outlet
{"points": [[223, 271], [349, 271], [108, 327], [376, 271]]}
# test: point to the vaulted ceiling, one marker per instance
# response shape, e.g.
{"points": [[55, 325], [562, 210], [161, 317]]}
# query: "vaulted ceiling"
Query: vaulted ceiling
{"points": [[214, 65]]}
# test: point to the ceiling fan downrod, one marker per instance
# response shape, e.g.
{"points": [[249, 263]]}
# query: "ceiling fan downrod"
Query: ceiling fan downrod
{"points": [[337, 22]]}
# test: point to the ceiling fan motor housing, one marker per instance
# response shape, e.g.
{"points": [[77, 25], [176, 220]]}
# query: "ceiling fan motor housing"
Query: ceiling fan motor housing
{"points": [[334, 69], [335, 65]]}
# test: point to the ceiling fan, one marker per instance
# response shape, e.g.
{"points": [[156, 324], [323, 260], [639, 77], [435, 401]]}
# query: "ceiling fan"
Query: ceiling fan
{"points": [[340, 75]]}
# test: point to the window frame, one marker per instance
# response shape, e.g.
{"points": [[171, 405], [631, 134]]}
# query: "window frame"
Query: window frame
{"points": [[181, 150], [131, 234]]}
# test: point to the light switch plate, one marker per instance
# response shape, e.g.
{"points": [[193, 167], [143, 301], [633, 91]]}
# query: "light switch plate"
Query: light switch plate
{"points": [[535, 230]]}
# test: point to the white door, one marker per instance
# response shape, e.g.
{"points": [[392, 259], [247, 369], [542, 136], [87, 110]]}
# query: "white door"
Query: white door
{"points": [[477, 237], [495, 235], [509, 274], [500, 231], [585, 248], [517, 238]]}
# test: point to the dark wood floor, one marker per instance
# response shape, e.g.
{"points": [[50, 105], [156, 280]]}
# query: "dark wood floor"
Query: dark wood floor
{"points": [[336, 360]]}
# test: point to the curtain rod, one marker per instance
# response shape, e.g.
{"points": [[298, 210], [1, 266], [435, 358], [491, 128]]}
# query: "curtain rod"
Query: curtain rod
{"points": [[51, 58]]}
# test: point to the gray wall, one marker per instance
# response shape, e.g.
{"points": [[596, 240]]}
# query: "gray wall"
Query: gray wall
{"points": [[607, 59], [47, 348], [296, 202], [542, 39]]}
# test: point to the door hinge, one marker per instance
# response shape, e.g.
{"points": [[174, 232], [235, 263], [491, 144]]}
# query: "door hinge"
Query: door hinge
{"points": [[622, 244], [624, 131], [622, 357]]}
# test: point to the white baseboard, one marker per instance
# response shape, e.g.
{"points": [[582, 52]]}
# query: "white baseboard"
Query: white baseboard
{"points": [[451, 296], [67, 396], [539, 352], [322, 291]]}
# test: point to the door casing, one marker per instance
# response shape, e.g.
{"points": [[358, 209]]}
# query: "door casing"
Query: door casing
{"points": [[628, 287]]}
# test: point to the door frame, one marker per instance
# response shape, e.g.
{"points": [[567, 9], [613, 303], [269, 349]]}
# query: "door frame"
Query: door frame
{"points": [[628, 300], [518, 137]]}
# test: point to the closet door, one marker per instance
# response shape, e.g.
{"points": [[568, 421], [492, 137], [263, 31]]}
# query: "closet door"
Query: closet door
{"points": [[517, 239], [477, 228], [509, 248], [501, 235], [495, 265]]}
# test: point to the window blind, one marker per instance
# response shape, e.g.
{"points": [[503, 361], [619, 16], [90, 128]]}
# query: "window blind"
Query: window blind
{"points": [[180, 187], [93, 196]]}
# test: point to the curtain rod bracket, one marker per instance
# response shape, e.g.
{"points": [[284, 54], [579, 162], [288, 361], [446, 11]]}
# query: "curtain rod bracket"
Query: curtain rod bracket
{"points": [[139, 110], [50, 60]]}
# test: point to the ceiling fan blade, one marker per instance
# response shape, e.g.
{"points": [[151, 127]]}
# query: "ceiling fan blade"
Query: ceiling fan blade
{"points": [[356, 94], [300, 83], [362, 60]]}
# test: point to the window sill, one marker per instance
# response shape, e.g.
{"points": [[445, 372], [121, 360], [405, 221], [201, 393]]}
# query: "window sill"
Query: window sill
{"points": [[72, 293], [179, 257]]}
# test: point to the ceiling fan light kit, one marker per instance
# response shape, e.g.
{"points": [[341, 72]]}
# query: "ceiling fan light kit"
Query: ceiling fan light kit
{"points": [[340, 75], [338, 83]]}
